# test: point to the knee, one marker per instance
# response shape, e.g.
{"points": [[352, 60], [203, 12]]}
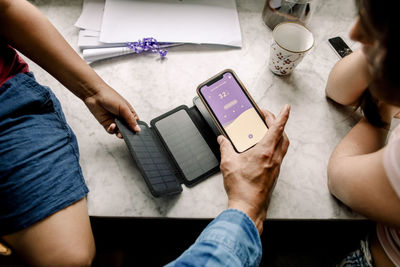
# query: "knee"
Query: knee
{"points": [[70, 257], [82, 259], [78, 257]]}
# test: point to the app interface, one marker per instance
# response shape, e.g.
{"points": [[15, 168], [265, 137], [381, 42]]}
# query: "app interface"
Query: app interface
{"points": [[235, 112]]}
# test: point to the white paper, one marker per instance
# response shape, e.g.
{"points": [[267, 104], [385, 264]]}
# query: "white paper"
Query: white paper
{"points": [[92, 15], [90, 39], [89, 33], [175, 21]]}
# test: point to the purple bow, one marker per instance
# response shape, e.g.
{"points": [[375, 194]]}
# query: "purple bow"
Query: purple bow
{"points": [[147, 44]]}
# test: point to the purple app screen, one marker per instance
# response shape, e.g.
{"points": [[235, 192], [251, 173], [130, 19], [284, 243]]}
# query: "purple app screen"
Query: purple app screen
{"points": [[234, 111], [226, 99]]}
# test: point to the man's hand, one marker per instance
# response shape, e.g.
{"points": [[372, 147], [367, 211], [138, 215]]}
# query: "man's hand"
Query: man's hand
{"points": [[250, 177], [107, 105]]}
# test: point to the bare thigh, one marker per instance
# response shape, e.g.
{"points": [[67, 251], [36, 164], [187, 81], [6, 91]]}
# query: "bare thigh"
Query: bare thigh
{"points": [[62, 239]]}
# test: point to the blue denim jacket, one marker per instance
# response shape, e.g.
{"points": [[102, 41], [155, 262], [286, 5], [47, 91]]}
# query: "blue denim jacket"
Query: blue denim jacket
{"points": [[231, 239]]}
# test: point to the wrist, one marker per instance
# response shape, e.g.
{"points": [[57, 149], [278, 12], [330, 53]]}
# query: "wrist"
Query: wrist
{"points": [[90, 89], [255, 213], [82, 81]]}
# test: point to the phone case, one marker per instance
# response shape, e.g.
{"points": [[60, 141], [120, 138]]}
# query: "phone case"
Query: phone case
{"points": [[340, 47], [178, 147]]}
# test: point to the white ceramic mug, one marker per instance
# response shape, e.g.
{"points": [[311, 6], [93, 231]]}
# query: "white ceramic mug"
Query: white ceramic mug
{"points": [[291, 41]]}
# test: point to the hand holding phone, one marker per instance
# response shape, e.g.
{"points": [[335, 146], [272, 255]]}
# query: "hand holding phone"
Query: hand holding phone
{"points": [[233, 110], [255, 171]]}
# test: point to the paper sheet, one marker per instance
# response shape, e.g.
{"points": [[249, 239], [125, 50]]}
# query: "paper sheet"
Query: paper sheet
{"points": [[90, 39], [92, 15], [175, 21]]}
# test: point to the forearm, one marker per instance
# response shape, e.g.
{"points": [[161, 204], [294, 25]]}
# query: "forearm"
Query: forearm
{"points": [[357, 176], [348, 79], [26, 29], [362, 139]]}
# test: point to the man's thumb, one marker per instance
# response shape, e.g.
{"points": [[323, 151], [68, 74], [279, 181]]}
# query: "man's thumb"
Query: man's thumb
{"points": [[225, 145]]}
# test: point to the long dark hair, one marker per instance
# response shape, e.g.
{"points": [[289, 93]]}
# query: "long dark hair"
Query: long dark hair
{"points": [[379, 19]]}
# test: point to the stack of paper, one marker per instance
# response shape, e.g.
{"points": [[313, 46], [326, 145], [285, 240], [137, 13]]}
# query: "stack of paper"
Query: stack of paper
{"points": [[90, 23], [106, 26]]}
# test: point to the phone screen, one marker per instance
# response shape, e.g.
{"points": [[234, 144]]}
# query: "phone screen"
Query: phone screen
{"points": [[234, 111]]}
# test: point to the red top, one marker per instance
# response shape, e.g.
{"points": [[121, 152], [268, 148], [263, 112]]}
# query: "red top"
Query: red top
{"points": [[10, 63]]}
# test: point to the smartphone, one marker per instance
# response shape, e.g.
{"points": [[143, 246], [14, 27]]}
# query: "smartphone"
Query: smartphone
{"points": [[233, 110], [340, 47]]}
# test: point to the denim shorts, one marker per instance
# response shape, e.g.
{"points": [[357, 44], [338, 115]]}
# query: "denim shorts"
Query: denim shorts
{"points": [[361, 257], [39, 158]]}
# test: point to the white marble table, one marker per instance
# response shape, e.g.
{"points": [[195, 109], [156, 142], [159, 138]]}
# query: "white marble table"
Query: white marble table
{"points": [[155, 86]]}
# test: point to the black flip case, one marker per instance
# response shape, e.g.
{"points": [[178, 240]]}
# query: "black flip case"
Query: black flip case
{"points": [[159, 168]]}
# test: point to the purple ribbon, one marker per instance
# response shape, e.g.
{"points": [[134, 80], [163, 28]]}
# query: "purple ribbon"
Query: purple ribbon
{"points": [[147, 44]]}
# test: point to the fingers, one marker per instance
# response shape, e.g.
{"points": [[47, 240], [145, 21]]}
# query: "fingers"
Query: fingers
{"points": [[111, 128], [277, 127], [396, 112], [281, 148], [133, 111], [107, 105], [269, 117], [264, 112], [225, 145], [130, 117]]}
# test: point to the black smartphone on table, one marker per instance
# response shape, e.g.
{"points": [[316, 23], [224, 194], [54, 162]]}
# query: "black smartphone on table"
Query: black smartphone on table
{"points": [[233, 110], [340, 47]]}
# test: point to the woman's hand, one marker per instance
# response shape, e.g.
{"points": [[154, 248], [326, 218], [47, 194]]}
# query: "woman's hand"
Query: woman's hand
{"points": [[106, 105], [388, 112], [26, 29], [250, 177]]}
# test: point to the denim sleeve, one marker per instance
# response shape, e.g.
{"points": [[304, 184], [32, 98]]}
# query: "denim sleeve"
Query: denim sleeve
{"points": [[231, 239]]}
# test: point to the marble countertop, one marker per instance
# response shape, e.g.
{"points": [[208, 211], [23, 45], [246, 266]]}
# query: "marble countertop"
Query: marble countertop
{"points": [[155, 86]]}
